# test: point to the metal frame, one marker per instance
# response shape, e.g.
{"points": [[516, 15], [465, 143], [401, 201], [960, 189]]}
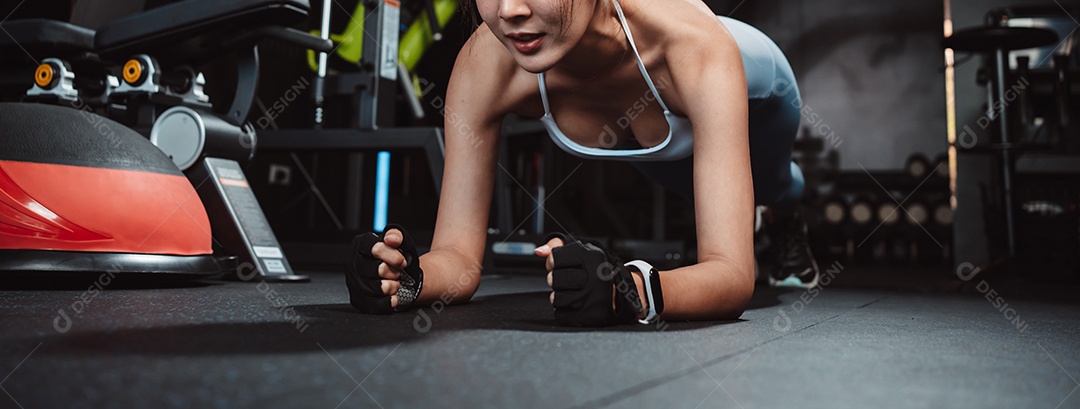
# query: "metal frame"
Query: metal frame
{"points": [[376, 100], [428, 139], [374, 93]]}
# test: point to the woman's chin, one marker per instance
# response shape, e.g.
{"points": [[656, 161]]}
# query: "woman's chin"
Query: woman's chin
{"points": [[533, 70], [536, 63]]}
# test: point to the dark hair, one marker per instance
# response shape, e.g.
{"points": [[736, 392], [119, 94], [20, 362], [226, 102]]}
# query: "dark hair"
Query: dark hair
{"points": [[471, 14]]}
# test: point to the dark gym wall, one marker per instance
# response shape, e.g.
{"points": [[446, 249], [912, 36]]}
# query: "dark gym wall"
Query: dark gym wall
{"points": [[871, 73]]}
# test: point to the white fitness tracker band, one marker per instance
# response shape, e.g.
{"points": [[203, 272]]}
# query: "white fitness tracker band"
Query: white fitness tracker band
{"points": [[653, 292]]}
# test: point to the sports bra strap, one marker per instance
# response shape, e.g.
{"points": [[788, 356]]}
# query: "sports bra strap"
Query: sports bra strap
{"points": [[641, 66]]}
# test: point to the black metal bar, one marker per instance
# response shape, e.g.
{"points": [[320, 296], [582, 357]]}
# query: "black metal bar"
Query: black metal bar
{"points": [[286, 34], [1047, 164], [433, 19], [435, 149], [315, 140], [320, 79], [1006, 161], [247, 80], [405, 79], [428, 139], [1063, 89], [354, 187], [1023, 70]]}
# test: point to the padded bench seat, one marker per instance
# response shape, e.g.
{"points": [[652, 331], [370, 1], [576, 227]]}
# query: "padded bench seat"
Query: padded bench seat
{"points": [[192, 30], [43, 38]]}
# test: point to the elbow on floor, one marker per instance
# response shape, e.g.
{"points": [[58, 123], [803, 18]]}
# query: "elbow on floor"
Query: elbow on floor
{"points": [[737, 298]]}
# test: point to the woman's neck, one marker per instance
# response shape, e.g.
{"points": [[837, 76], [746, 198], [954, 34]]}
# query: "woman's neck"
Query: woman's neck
{"points": [[602, 48]]}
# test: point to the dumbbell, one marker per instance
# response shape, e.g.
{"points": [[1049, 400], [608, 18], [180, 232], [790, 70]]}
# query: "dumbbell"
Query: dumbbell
{"points": [[834, 212], [917, 166], [831, 235], [941, 163]]}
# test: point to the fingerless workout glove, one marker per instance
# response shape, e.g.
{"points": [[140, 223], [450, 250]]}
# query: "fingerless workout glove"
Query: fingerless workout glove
{"points": [[585, 278], [362, 274]]}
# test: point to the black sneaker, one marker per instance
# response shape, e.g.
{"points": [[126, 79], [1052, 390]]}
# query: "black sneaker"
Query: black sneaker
{"points": [[795, 265]]}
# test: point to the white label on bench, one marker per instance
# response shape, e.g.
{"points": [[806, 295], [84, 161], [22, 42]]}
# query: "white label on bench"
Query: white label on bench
{"points": [[267, 252], [274, 266]]}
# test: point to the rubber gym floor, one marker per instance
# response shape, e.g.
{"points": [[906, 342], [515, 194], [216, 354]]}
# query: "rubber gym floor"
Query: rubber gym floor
{"points": [[921, 340]]}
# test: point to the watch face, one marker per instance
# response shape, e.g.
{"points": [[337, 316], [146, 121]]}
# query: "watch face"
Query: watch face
{"points": [[657, 293]]}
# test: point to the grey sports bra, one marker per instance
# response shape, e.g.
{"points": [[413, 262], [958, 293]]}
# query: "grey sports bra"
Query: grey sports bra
{"points": [[679, 143]]}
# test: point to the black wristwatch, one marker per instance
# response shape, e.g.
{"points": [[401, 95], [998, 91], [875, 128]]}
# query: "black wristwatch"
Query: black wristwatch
{"points": [[653, 293]]}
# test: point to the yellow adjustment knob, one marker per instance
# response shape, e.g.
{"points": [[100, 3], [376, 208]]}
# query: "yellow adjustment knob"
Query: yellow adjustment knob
{"points": [[44, 75], [133, 71]]}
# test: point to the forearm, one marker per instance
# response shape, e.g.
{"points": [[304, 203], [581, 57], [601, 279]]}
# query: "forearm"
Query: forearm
{"points": [[708, 290], [448, 277]]}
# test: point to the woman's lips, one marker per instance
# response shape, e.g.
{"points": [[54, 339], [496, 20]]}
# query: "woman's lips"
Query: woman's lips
{"points": [[526, 43]]}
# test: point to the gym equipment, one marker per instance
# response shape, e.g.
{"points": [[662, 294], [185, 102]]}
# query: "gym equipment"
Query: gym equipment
{"points": [[193, 33], [889, 241], [862, 211], [187, 135], [1048, 223], [918, 166], [532, 164], [190, 131], [922, 248], [69, 49], [851, 219], [81, 192], [371, 85], [941, 163], [917, 214], [943, 214], [999, 41], [888, 214], [161, 96], [829, 225], [54, 78], [835, 211], [422, 33], [939, 243], [1051, 16], [863, 222]]}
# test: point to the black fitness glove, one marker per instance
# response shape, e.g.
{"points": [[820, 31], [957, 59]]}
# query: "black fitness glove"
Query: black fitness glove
{"points": [[584, 278], [362, 274]]}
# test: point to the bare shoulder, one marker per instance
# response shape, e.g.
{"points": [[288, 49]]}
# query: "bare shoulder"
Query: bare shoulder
{"points": [[688, 47], [486, 78], [686, 28]]}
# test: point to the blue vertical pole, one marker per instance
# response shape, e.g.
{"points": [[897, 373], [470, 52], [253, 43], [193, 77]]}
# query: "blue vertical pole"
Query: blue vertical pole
{"points": [[382, 189]]}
